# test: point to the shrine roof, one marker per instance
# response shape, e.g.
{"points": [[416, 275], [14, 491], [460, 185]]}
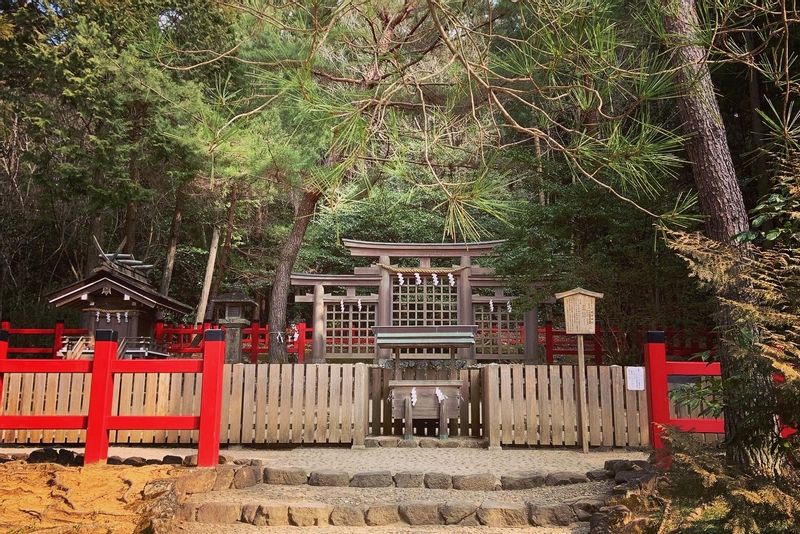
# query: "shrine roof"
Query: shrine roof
{"points": [[342, 280], [110, 277], [415, 250]]}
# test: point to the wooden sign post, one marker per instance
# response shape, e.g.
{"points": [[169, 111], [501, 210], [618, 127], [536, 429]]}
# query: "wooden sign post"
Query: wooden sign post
{"points": [[579, 319]]}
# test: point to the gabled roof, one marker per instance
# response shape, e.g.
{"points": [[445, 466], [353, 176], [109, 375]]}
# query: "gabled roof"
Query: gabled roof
{"points": [[579, 291], [107, 276]]}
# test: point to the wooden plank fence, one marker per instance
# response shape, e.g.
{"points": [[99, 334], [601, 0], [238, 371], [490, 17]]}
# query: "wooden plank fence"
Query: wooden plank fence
{"points": [[512, 404], [536, 405]]}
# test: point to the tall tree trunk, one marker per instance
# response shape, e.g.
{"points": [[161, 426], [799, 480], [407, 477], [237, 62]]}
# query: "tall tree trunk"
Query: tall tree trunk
{"points": [[96, 231], [172, 246], [226, 245], [212, 260], [131, 212], [749, 429], [279, 298]]}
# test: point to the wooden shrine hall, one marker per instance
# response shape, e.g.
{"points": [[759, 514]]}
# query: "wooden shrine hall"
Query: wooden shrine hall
{"points": [[446, 287]]}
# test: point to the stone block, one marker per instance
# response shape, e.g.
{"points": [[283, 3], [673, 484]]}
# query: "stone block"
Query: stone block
{"points": [[459, 513], [428, 443], [186, 512], [79, 459], [171, 459], [549, 515], [224, 477], [257, 463], [157, 488], [348, 516], [113, 460], [379, 515], [196, 481], [407, 444], [135, 461], [250, 513], [477, 482], [190, 461], [225, 459], [246, 476], [438, 481], [562, 478], [309, 514], [448, 444], [66, 457], [408, 479], [599, 474], [19, 456], [500, 514], [219, 512], [153, 461], [618, 465], [523, 480], [285, 476], [329, 478], [371, 442], [419, 512], [584, 508], [374, 479], [272, 515], [46, 455], [388, 441]]}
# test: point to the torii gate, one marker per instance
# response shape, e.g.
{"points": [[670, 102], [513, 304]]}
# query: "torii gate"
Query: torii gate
{"points": [[420, 295]]}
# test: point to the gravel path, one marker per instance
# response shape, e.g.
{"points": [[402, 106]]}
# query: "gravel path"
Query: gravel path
{"points": [[243, 528], [459, 461], [367, 496]]}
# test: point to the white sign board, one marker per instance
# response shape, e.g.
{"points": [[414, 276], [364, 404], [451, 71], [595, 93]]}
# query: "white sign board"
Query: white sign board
{"points": [[634, 378]]}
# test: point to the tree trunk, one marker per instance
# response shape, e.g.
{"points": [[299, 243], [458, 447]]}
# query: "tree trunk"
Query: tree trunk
{"points": [[226, 246], [131, 212], [280, 288], [212, 260], [96, 231], [749, 430], [172, 247]]}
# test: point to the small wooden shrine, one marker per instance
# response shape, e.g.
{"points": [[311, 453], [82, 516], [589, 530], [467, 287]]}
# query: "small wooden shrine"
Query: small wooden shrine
{"points": [[118, 296], [444, 288]]}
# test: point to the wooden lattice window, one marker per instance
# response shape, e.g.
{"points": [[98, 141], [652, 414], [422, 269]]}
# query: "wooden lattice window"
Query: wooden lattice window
{"points": [[349, 331], [424, 304], [500, 333]]}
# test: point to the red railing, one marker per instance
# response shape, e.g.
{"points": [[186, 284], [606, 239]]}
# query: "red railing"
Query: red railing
{"points": [[99, 421], [658, 372], [57, 332], [187, 339]]}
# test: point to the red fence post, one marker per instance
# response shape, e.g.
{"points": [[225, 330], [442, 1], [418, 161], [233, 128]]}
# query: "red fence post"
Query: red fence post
{"points": [[255, 341], [655, 360], [158, 332], [100, 396], [548, 341], [3, 355], [211, 398], [58, 338]]}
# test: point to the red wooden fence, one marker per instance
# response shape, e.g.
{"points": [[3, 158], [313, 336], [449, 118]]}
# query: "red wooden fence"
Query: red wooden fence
{"points": [[57, 332], [658, 372], [98, 422]]}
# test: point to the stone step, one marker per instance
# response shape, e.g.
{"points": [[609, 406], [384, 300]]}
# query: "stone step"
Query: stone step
{"points": [[305, 505]]}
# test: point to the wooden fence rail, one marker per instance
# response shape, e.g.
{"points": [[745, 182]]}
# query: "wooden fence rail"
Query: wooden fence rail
{"points": [[512, 404]]}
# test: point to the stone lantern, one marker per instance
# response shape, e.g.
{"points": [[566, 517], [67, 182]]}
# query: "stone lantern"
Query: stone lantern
{"points": [[237, 306]]}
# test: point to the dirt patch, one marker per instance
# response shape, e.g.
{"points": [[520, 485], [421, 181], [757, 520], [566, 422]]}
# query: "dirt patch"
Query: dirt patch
{"points": [[54, 498]]}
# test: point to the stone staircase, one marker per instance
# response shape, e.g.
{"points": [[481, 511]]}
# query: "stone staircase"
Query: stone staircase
{"points": [[248, 493]]}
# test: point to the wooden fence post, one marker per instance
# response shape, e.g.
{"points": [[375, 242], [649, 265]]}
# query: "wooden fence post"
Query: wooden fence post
{"points": [[491, 404], [548, 341], [655, 360], [100, 397], [211, 398], [360, 406]]}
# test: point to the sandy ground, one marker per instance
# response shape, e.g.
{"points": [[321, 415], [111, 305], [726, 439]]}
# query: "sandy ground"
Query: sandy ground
{"points": [[451, 461], [79, 500]]}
